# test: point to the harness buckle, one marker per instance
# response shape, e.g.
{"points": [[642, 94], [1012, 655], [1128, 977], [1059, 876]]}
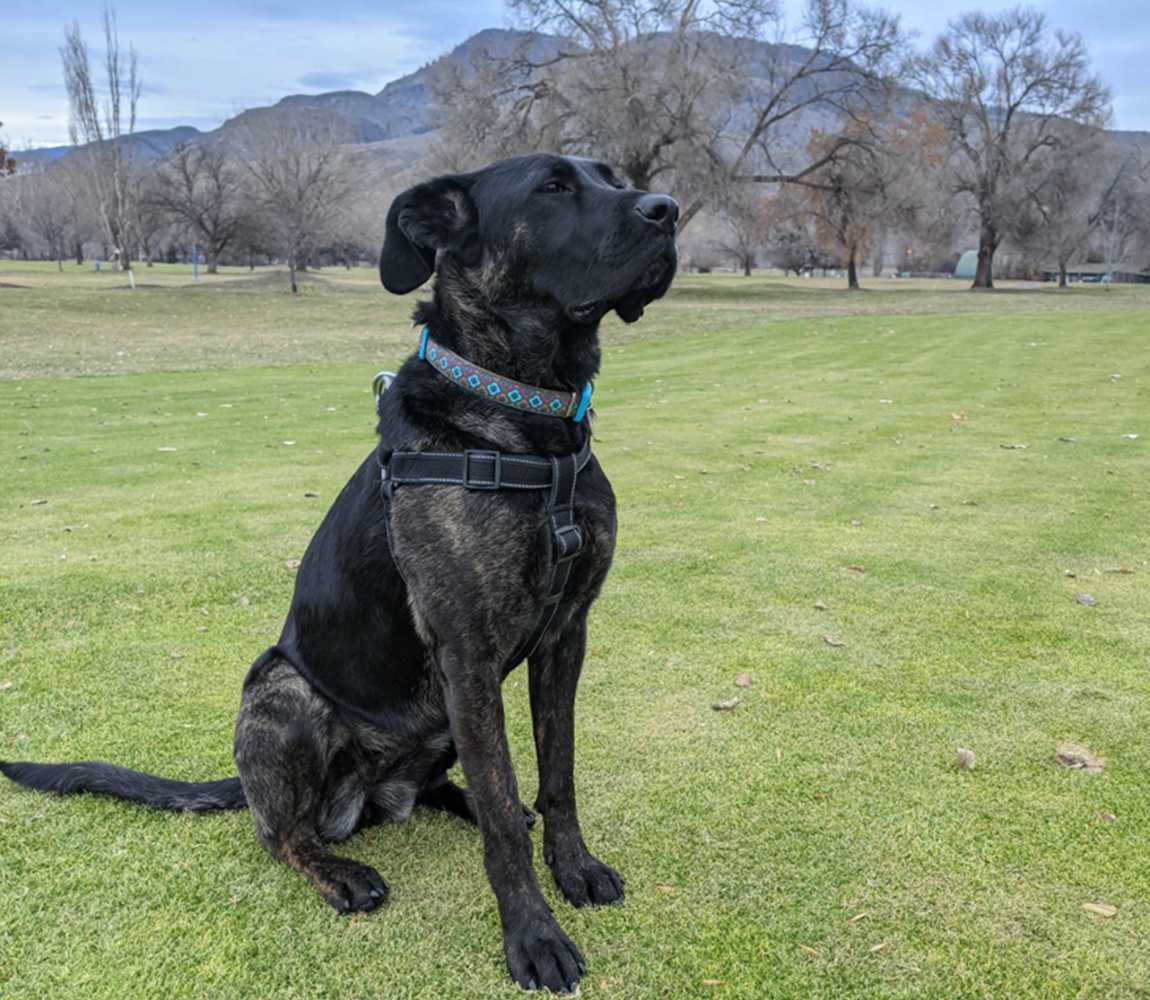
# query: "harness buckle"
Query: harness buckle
{"points": [[568, 542], [470, 456]]}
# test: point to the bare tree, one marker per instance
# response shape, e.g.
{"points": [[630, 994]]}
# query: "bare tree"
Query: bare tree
{"points": [[1122, 215], [43, 208], [1065, 209], [1002, 86], [746, 220], [792, 244], [7, 162], [691, 94], [201, 186], [104, 130], [298, 183]]}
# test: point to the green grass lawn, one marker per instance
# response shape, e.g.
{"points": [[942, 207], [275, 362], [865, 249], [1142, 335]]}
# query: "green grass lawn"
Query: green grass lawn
{"points": [[774, 446]]}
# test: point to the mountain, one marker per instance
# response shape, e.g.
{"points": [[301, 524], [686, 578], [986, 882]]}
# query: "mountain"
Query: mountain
{"points": [[148, 146], [395, 125]]}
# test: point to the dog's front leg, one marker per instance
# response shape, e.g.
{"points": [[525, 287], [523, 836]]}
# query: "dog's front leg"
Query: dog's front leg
{"points": [[554, 675], [538, 953]]}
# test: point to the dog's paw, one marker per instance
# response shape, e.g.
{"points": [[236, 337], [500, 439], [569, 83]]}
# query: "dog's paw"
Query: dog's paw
{"points": [[350, 887], [541, 956], [586, 881]]}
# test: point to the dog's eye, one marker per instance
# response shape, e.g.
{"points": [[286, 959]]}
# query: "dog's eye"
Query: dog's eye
{"points": [[556, 187]]}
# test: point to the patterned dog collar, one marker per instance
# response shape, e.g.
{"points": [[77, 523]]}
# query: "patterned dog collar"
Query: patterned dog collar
{"points": [[499, 389]]}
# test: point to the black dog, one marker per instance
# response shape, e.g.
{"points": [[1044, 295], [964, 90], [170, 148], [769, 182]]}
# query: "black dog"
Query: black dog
{"points": [[426, 584]]}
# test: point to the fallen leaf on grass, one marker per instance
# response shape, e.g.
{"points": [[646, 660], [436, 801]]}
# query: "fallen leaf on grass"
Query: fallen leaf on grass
{"points": [[244, 601], [820, 606], [1100, 909], [713, 982], [1107, 817], [1130, 437], [1124, 570], [877, 947], [726, 705], [1085, 599], [964, 759], [1066, 440], [1070, 573], [858, 916], [1014, 447], [808, 949], [1077, 757], [822, 796], [856, 523], [833, 640], [310, 495], [5, 685], [292, 564], [37, 503], [665, 888], [743, 680], [201, 628], [856, 568], [165, 449], [287, 444], [810, 482]]}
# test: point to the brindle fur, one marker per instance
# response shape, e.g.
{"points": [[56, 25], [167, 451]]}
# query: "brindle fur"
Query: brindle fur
{"points": [[390, 662]]}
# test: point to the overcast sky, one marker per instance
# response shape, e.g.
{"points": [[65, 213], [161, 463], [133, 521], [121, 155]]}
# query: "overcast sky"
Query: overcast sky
{"points": [[208, 59]]}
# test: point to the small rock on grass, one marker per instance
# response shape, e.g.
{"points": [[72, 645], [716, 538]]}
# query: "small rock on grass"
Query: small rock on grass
{"points": [[833, 640], [1087, 600], [1079, 758], [964, 759], [725, 705]]}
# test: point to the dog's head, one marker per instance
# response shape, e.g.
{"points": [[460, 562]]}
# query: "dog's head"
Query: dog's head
{"points": [[554, 235]]}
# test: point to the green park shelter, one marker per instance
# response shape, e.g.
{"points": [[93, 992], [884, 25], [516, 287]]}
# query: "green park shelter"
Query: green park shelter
{"points": [[967, 265]]}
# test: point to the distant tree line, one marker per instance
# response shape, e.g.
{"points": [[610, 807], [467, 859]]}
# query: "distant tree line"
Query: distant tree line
{"points": [[835, 147], [992, 137]]}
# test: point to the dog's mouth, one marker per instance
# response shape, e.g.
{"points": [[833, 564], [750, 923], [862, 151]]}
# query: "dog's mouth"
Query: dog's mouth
{"points": [[650, 285]]}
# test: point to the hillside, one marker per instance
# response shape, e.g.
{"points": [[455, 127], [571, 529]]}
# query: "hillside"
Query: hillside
{"points": [[395, 125]]}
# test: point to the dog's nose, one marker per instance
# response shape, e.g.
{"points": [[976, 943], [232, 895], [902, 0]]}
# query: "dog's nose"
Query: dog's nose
{"points": [[660, 210]]}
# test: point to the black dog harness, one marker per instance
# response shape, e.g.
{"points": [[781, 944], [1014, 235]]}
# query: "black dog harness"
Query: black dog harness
{"points": [[479, 469]]}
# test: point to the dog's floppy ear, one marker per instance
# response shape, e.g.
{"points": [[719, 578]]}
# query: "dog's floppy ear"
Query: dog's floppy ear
{"points": [[430, 217]]}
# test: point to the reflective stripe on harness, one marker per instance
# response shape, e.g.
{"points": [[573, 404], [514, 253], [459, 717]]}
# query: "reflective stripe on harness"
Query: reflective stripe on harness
{"points": [[479, 469]]}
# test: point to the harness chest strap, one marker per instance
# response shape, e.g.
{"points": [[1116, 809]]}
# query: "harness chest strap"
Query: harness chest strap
{"points": [[478, 469]]}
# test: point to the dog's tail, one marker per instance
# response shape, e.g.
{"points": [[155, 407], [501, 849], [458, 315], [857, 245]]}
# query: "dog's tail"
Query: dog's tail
{"points": [[121, 783]]}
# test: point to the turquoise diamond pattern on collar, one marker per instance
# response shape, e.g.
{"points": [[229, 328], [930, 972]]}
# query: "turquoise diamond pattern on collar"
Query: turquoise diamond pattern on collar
{"points": [[494, 387]]}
